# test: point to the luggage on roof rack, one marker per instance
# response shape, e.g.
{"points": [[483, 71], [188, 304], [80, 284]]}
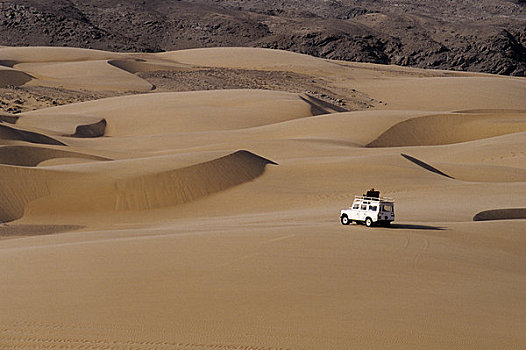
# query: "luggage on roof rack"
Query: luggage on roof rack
{"points": [[372, 193]]}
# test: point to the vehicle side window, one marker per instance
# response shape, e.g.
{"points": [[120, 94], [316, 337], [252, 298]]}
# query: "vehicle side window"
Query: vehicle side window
{"points": [[356, 206], [364, 207], [373, 207]]}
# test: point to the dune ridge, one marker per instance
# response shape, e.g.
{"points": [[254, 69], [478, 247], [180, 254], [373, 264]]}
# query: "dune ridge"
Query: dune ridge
{"points": [[103, 190], [450, 128]]}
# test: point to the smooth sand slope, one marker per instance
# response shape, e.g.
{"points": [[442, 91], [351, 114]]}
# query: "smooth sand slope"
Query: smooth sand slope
{"points": [[158, 218]]}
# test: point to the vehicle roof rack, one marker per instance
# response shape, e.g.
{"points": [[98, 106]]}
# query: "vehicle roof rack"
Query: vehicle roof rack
{"points": [[376, 199]]}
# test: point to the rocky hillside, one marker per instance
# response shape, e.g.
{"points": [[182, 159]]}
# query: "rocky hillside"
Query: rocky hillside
{"points": [[470, 35]]}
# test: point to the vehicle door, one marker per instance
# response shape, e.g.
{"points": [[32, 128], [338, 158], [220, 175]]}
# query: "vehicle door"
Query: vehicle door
{"points": [[363, 212], [388, 210], [355, 211]]}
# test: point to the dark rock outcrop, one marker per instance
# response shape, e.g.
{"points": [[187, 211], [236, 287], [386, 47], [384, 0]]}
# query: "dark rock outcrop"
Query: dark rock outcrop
{"points": [[485, 36]]}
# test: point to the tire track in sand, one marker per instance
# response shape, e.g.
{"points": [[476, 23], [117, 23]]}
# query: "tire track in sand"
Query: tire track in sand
{"points": [[420, 253], [25, 338]]}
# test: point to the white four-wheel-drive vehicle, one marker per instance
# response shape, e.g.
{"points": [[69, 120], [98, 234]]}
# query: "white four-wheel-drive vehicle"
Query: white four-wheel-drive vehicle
{"points": [[370, 209]]}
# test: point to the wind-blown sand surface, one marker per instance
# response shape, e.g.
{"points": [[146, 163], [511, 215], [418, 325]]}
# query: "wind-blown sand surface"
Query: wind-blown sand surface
{"points": [[158, 218]]}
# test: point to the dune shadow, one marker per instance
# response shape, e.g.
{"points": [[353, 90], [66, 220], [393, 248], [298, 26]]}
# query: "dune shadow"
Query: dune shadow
{"points": [[29, 156], [11, 133], [501, 214], [425, 166], [8, 63], [13, 78], [16, 231], [416, 227], [11, 119], [320, 107]]}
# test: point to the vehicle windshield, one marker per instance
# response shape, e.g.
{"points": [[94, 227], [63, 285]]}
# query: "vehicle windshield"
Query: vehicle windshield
{"points": [[387, 207]]}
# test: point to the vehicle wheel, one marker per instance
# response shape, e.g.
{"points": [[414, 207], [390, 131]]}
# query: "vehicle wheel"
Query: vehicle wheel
{"points": [[368, 222], [345, 220]]}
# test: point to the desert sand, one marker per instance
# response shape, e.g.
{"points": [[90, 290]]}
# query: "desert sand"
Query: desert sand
{"points": [[141, 211]]}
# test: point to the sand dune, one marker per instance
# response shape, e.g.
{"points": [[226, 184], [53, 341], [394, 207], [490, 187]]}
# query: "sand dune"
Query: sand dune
{"points": [[151, 114], [450, 128], [24, 185], [65, 125], [161, 220], [16, 55], [448, 93], [249, 58], [108, 191], [187, 184], [90, 75]]}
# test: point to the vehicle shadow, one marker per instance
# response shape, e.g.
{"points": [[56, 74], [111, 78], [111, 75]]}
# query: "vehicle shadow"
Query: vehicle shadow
{"points": [[416, 227]]}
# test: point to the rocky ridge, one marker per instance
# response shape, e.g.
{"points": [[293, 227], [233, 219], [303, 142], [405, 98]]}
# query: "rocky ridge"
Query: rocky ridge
{"points": [[466, 35]]}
